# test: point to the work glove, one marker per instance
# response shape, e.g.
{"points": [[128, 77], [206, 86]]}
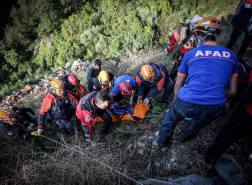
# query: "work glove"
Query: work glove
{"points": [[139, 100], [40, 130], [146, 101]]}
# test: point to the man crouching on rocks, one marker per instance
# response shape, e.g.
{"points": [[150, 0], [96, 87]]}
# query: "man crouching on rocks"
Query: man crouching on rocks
{"points": [[90, 106]]}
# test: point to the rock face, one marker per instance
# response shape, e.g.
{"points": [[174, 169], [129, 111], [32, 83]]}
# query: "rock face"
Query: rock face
{"points": [[78, 67], [229, 170], [28, 91]]}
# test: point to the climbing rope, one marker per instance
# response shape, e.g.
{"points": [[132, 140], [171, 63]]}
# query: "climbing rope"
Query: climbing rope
{"points": [[101, 163]]}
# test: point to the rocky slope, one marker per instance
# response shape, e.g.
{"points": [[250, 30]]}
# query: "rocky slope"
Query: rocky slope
{"points": [[170, 165]]}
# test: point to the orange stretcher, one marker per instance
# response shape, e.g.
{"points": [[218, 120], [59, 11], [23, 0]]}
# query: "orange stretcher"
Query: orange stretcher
{"points": [[138, 115]]}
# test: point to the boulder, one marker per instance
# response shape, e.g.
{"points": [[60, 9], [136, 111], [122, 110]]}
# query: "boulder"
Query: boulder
{"points": [[28, 87], [77, 65]]}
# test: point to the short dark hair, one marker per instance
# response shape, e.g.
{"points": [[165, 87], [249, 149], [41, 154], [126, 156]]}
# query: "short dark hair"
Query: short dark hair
{"points": [[97, 62], [15, 109], [102, 96]]}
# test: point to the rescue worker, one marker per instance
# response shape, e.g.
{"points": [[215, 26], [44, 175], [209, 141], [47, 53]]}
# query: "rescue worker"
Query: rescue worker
{"points": [[72, 85], [124, 85], [242, 23], [237, 126], [92, 72], [10, 127], [182, 35], [104, 81], [92, 105], [24, 117], [60, 105], [152, 79], [206, 77]]}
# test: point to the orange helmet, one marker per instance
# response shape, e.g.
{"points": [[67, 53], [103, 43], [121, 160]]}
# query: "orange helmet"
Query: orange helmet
{"points": [[57, 84], [73, 79], [148, 72], [125, 88], [209, 26], [7, 116]]}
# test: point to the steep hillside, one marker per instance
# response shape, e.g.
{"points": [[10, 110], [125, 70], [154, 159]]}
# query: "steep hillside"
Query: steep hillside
{"points": [[129, 155]]}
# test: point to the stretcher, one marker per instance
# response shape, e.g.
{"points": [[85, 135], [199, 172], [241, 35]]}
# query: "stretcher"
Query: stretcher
{"points": [[135, 114]]}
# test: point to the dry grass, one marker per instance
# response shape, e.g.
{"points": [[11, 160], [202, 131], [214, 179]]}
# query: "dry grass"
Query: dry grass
{"points": [[77, 164]]}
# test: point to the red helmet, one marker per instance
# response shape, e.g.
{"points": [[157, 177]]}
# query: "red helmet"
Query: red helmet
{"points": [[73, 79], [125, 88]]}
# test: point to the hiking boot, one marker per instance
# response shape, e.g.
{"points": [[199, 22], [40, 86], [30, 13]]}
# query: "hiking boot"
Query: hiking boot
{"points": [[176, 138], [161, 144], [179, 138], [102, 136], [200, 156]]}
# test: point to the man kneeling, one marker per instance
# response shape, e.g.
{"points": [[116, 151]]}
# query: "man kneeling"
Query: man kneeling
{"points": [[90, 106]]}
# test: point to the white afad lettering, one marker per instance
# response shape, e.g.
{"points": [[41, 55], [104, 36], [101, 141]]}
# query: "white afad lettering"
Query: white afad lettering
{"points": [[199, 53], [208, 53], [216, 54], [226, 54]]}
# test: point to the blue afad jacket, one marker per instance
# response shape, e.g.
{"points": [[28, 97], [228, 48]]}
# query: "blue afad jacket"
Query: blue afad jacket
{"points": [[153, 87]]}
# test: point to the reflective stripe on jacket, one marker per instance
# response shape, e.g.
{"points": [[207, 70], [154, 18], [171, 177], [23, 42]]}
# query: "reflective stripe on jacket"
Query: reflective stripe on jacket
{"points": [[60, 108]]}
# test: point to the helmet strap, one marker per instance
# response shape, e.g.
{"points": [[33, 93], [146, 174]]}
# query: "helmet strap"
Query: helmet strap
{"points": [[200, 41]]}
